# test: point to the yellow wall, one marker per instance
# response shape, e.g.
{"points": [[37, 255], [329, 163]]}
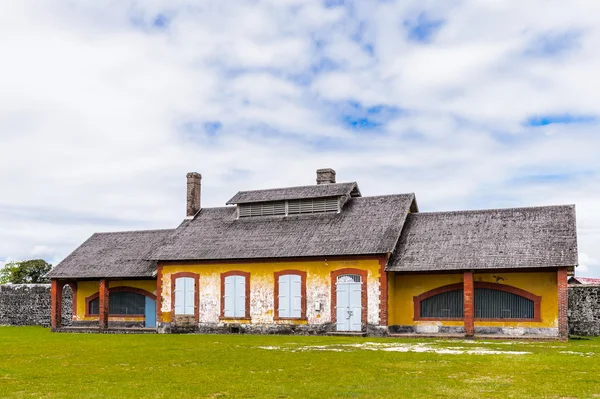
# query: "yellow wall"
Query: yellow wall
{"points": [[400, 298], [403, 288], [262, 280], [87, 288]]}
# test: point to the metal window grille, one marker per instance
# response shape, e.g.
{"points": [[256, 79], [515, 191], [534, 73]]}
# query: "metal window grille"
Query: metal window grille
{"points": [[448, 304], [495, 304], [349, 278], [121, 303]]}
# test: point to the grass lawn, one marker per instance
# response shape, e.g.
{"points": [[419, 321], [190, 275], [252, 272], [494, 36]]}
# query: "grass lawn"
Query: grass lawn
{"points": [[37, 363]]}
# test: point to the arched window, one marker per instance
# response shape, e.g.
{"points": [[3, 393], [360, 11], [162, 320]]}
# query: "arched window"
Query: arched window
{"points": [[120, 303], [492, 302], [495, 304]]}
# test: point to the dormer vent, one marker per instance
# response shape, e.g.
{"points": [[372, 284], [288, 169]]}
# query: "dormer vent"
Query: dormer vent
{"points": [[290, 207]]}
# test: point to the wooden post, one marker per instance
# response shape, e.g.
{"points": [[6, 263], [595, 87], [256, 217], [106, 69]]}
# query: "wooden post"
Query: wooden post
{"points": [[56, 304], [563, 303], [469, 299], [103, 305]]}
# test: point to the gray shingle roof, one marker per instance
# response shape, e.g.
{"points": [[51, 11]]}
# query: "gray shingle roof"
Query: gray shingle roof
{"points": [[487, 239], [301, 192], [123, 254], [367, 225]]}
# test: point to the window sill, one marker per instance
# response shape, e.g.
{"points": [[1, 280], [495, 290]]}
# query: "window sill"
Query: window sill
{"points": [[233, 319], [290, 319]]}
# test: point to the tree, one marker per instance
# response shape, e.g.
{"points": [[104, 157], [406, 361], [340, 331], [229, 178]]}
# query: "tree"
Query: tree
{"points": [[25, 272]]}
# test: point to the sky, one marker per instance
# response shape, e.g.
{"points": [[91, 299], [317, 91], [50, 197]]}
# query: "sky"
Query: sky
{"points": [[105, 106]]}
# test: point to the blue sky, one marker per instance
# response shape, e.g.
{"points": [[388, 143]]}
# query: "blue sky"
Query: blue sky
{"points": [[105, 107]]}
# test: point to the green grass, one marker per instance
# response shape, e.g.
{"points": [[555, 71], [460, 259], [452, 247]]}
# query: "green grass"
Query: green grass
{"points": [[37, 363]]}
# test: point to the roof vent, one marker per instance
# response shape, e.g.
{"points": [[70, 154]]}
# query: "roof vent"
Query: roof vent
{"points": [[325, 176]]}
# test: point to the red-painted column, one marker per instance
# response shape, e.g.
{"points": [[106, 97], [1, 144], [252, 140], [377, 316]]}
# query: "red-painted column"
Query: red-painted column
{"points": [[469, 297], [103, 299], [56, 304], [159, 294], [563, 303], [383, 293]]}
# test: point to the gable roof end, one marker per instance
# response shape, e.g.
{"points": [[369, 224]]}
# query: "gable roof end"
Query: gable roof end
{"points": [[117, 255]]}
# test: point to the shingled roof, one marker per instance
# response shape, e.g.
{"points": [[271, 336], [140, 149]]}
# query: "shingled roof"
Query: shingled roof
{"points": [[123, 254], [487, 239], [301, 192], [367, 225]]}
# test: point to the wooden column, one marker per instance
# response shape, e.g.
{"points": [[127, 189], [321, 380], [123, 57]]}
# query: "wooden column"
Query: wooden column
{"points": [[103, 305], [56, 304], [469, 299], [563, 303]]}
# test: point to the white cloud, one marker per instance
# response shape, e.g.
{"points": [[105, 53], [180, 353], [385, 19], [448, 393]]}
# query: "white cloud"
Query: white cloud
{"points": [[586, 263], [95, 104]]}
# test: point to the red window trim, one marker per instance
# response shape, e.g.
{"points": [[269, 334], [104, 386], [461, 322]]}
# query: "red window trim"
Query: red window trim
{"points": [[246, 275], [537, 301], [196, 278], [364, 298], [302, 292], [117, 289]]}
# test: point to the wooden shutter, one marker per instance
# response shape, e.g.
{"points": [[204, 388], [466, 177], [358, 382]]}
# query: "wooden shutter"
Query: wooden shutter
{"points": [[295, 296], [189, 296], [284, 295], [179, 295], [240, 296], [229, 296]]}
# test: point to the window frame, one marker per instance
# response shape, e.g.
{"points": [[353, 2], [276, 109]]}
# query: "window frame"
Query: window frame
{"points": [[140, 291], [302, 294], [196, 278], [537, 301], [246, 276]]}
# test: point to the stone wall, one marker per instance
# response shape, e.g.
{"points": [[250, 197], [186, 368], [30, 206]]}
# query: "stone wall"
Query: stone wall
{"points": [[584, 310], [29, 305]]}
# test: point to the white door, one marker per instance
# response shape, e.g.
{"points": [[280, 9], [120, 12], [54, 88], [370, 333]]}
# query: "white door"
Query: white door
{"points": [[349, 303], [184, 296]]}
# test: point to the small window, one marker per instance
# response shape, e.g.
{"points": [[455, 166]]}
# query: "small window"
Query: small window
{"points": [[290, 296], [449, 304], [234, 296], [349, 278]]}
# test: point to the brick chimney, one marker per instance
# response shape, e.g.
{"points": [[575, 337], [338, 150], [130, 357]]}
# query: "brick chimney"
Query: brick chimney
{"points": [[193, 193], [325, 176]]}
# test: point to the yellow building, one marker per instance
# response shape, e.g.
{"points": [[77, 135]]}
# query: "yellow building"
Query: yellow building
{"points": [[324, 259]]}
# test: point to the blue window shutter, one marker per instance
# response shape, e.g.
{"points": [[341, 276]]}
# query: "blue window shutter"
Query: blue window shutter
{"points": [[179, 295], [240, 296], [229, 296], [189, 296], [296, 296], [284, 296]]}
